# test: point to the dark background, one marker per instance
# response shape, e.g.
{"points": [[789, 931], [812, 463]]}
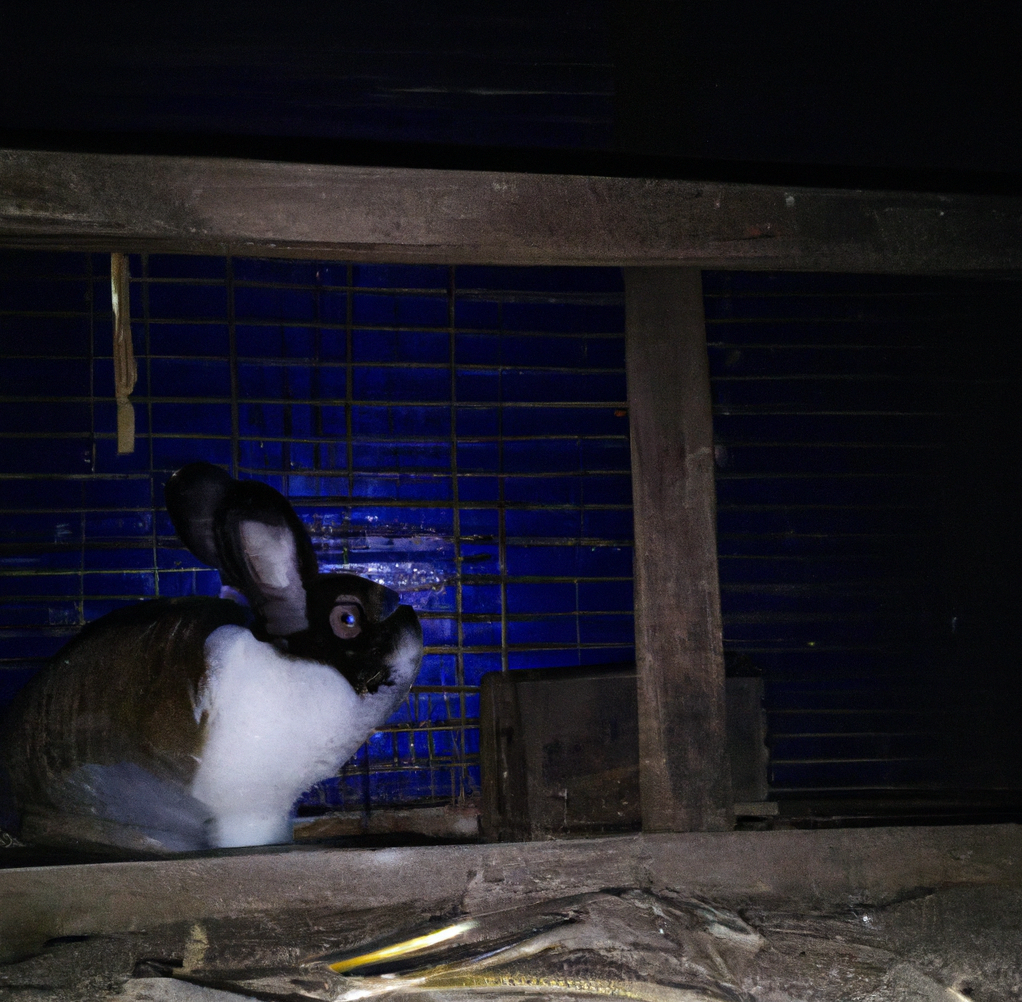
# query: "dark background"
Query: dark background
{"points": [[900, 95]]}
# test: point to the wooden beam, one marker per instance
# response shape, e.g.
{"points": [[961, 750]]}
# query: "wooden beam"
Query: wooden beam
{"points": [[683, 767], [824, 869], [107, 202]]}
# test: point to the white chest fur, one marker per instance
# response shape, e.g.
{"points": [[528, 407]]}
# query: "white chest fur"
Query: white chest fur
{"points": [[274, 726]]}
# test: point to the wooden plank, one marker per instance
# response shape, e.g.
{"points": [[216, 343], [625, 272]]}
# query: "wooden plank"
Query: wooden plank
{"points": [[109, 202], [746, 746], [824, 869], [559, 751], [683, 767], [451, 821]]}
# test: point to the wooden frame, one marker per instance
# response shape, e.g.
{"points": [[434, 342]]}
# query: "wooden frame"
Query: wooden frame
{"points": [[822, 870], [195, 205], [207, 205], [684, 778]]}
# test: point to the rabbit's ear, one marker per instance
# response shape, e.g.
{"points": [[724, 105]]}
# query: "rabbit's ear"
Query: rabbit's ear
{"points": [[193, 495], [264, 549]]}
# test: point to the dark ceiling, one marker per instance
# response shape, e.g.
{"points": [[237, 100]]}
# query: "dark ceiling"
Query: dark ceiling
{"points": [[843, 93]]}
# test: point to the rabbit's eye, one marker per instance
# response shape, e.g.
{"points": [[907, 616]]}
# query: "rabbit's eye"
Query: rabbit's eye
{"points": [[346, 620]]}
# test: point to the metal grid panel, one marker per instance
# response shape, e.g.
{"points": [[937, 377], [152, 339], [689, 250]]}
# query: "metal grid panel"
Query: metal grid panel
{"points": [[858, 418], [458, 433]]}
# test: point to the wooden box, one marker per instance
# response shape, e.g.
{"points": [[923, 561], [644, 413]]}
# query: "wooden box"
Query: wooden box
{"points": [[560, 751]]}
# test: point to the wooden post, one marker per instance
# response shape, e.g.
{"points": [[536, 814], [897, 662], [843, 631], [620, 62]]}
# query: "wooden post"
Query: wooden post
{"points": [[684, 777]]}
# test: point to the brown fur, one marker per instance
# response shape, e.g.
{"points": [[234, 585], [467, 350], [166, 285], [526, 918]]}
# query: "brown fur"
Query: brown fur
{"points": [[122, 691]]}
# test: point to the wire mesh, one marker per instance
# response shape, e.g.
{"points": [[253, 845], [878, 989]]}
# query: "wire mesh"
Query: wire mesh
{"points": [[867, 529], [459, 434]]}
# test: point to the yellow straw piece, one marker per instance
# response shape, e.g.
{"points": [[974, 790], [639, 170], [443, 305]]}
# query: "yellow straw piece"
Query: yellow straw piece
{"points": [[402, 949], [512, 985]]}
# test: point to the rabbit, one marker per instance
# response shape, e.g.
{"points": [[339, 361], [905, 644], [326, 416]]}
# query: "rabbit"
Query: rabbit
{"points": [[183, 724]]}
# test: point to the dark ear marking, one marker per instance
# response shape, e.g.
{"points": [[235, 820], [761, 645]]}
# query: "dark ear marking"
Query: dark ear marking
{"points": [[194, 495]]}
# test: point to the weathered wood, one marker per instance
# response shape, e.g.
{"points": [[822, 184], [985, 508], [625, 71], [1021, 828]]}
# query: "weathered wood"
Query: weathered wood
{"points": [[823, 869], [683, 767], [559, 751], [208, 205], [746, 746], [451, 821]]}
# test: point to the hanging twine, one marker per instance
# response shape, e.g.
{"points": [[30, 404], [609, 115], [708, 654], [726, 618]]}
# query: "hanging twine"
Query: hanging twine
{"points": [[125, 370]]}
